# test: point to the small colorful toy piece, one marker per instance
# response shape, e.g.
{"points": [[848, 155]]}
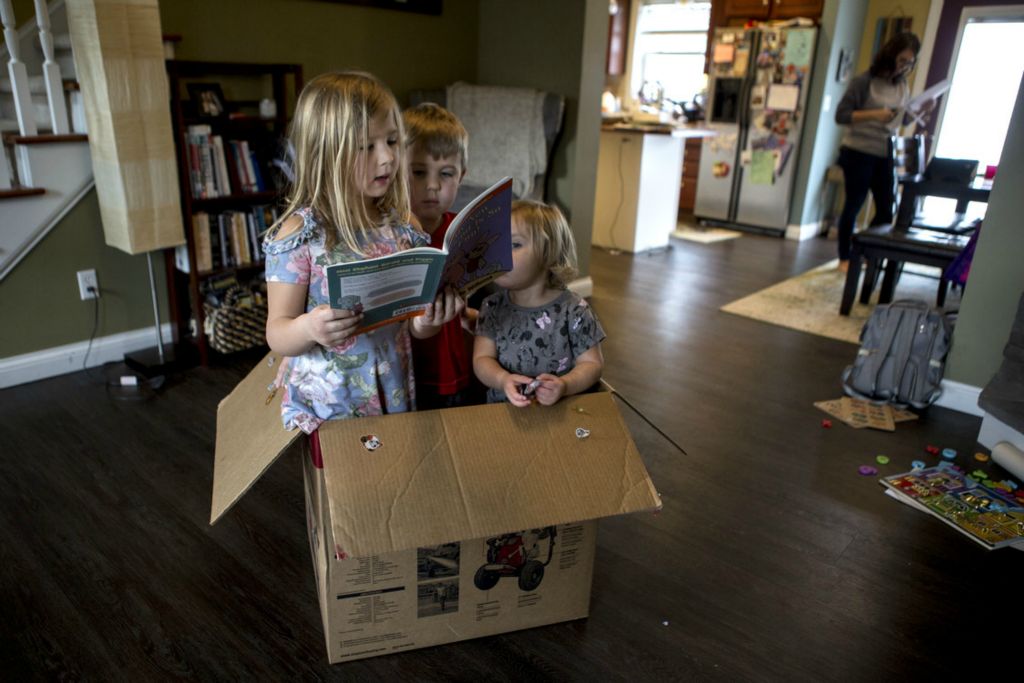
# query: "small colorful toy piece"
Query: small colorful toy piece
{"points": [[979, 475], [867, 470], [934, 450], [981, 457], [948, 453], [528, 389], [917, 465], [882, 459], [826, 423]]}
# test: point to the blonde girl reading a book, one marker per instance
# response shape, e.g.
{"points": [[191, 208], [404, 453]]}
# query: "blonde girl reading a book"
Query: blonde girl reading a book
{"points": [[536, 339], [349, 201]]}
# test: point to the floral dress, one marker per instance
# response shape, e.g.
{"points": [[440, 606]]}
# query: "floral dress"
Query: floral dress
{"points": [[368, 374]]}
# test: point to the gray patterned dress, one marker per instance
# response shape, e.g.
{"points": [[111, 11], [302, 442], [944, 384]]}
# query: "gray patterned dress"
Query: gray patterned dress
{"points": [[532, 341]]}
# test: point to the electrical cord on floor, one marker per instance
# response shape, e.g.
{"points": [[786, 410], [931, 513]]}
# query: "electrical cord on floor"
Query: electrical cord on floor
{"points": [[127, 387], [642, 416]]}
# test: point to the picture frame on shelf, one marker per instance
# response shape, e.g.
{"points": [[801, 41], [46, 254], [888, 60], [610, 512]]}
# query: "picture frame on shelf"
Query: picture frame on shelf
{"points": [[208, 99]]}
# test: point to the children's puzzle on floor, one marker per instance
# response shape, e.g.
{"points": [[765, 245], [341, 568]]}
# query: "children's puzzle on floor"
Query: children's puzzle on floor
{"points": [[985, 511]]}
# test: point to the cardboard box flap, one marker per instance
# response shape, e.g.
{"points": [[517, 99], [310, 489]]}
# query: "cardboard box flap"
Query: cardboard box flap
{"points": [[448, 475], [250, 436]]}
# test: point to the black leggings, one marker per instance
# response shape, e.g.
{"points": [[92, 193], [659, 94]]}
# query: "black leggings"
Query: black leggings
{"points": [[862, 172]]}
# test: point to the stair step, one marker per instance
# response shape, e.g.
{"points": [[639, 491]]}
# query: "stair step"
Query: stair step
{"points": [[21, 192], [11, 139]]}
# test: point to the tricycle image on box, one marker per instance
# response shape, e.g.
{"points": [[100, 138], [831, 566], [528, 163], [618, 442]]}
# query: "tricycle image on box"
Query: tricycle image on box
{"points": [[516, 555]]}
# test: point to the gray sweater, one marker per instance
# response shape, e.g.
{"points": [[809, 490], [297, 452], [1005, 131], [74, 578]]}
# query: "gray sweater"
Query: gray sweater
{"points": [[868, 92]]}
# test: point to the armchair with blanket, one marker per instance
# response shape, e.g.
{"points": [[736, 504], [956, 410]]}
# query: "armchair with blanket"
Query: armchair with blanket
{"points": [[512, 131]]}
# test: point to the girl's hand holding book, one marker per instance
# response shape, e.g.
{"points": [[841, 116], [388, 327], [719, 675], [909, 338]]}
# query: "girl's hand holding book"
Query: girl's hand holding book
{"points": [[331, 326]]}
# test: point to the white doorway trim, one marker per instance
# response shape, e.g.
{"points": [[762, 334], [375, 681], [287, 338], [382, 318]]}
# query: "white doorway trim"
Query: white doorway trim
{"points": [[996, 12]]}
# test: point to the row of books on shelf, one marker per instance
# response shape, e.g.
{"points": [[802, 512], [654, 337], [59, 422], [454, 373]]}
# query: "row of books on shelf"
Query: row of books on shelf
{"points": [[230, 238], [218, 168]]}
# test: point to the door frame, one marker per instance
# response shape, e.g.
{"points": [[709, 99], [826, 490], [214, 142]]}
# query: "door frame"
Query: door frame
{"points": [[966, 15]]}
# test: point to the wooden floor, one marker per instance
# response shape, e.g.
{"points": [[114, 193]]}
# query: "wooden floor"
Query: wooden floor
{"points": [[772, 559]]}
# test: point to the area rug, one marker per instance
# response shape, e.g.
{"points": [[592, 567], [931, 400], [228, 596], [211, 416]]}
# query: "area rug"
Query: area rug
{"points": [[704, 235], [810, 301]]}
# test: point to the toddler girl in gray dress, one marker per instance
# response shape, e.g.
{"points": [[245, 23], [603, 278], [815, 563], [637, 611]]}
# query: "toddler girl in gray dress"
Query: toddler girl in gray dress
{"points": [[535, 339]]}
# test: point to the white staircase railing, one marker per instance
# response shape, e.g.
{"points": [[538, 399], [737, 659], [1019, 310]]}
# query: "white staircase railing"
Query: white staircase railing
{"points": [[51, 72], [17, 72], [22, 108], [41, 177], [5, 170]]}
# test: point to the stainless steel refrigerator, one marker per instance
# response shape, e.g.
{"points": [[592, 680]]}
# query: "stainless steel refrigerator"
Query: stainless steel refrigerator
{"points": [[757, 87]]}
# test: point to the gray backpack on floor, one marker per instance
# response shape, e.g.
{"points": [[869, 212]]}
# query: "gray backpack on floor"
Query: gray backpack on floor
{"points": [[902, 355]]}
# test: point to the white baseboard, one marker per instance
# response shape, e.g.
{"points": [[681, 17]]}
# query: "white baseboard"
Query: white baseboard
{"points": [[803, 232], [60, 360], [994, 430], [960, 396], [582, 286]]}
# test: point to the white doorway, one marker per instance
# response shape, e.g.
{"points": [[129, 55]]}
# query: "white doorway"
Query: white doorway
{"points": [[985, 70]]}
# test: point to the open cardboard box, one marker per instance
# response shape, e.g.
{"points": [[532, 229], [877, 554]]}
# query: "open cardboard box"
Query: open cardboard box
{"points": [[461, 523]]}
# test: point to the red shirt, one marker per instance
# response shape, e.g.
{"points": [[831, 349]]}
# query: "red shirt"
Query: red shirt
{"points": [[442, 361]]}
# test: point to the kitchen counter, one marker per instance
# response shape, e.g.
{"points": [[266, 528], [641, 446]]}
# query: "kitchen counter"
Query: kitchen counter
{"points": [[639, 167], [682, 130]]}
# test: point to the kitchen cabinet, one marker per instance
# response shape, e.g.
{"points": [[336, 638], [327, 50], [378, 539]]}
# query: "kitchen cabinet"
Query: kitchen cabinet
{"points": [[691, 168], [772, 9]]}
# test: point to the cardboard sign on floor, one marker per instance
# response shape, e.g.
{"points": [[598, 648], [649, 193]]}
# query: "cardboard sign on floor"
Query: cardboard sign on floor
{"points": [[432, 527], [858, 413]]}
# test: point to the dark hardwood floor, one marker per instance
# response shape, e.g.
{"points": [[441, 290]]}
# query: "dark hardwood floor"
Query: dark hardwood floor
{"points": [[772, 559]]}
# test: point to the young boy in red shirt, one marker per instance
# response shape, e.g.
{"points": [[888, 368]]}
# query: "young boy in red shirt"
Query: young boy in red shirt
{"points": [[437, 146]]}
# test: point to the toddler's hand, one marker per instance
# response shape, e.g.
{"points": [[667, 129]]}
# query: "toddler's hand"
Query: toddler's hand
{"points": [[551, 389], [511, 387], [331, 326]]}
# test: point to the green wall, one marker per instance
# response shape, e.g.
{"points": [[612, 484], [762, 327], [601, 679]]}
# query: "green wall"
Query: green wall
{"points": [[997, 272], [39, 297], [405, 49], [842, 24], [550, 46]]}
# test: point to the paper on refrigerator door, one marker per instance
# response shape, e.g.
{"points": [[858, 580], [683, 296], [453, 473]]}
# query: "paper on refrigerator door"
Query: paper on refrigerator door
{"points": [[723, 53], [783, 97], [798, 47]]}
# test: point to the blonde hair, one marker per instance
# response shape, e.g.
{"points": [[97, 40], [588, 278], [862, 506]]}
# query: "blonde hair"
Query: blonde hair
{"points": [[328, 132], [438, 131], [551, 237]]}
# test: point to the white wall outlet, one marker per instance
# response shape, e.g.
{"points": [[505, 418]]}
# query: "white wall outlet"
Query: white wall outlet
{"points": [[87, 280]]}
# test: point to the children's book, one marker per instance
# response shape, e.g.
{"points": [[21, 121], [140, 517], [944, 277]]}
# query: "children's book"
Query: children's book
{"points": [[477, 249], [990, 516]]}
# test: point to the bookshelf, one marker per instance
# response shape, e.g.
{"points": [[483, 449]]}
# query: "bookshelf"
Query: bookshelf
{"points": [[225, 146]]}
